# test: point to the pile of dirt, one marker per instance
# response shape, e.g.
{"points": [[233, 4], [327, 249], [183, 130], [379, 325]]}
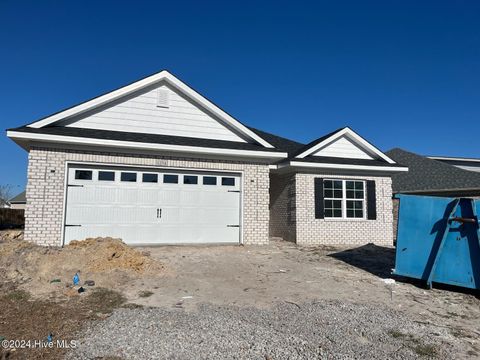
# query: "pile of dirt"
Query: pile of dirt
{"points": [[105, 254], [109, 262]]}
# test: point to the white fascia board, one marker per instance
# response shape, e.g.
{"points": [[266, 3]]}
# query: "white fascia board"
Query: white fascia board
{"points": [[357, 138], [143, 146], [453, 158], [138, 85], [343, 166]]}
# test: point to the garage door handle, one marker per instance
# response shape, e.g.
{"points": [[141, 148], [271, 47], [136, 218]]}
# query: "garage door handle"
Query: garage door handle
{"points": [[233, 225], [159, 213]]}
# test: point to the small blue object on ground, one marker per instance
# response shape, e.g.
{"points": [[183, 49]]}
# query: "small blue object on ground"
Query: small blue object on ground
{"points": [[76, 279]]}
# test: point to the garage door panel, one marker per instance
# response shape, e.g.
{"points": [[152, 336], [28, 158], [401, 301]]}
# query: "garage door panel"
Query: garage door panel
{"points": [[189, 197], [127, 195], [148, 196], [103, 195], [169, 196], [152, 212]]}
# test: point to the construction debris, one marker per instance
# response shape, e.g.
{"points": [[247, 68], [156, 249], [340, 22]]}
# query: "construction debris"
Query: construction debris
{"points": [[109, 261]]}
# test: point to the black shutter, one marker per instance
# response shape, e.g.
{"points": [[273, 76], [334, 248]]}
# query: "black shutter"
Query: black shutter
{"points": [[319, 198], [371, 201]]}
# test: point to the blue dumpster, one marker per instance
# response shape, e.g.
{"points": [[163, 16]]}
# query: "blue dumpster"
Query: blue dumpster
{"points": [[438, 240]]}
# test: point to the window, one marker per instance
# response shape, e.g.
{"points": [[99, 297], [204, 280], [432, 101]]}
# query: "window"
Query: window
{"points": [[344, 198], [190, 179], [129, 177], [170, 179], [83, 174], [106, 176], [209, 180], [150, 178], [355, 195], [228, 181], [333, 194]]}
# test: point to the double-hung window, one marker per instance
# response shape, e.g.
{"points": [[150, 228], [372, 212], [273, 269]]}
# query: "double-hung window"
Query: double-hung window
{"points": [[344, 199]]}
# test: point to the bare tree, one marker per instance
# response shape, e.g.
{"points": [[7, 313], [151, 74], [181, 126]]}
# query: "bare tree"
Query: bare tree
{"points": [[6, 193]]}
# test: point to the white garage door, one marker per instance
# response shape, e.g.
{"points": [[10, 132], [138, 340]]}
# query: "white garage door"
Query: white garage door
{"points": [[144, 206]]}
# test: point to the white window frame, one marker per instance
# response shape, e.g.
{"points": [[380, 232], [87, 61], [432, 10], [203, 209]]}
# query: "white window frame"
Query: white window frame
{"points": [[344, 200]]}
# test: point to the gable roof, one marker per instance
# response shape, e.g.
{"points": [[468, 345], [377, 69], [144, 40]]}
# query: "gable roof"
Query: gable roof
{"points": [[121, 139], [19, 199], [294, 148], [162, 76], [346, 131], [428, 175]]}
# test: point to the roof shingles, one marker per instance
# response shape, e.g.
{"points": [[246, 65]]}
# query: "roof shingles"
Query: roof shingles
{"points": [[427, 175]]}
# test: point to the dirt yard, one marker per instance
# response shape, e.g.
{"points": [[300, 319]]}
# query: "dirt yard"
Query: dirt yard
{"points": [[269, 302]]}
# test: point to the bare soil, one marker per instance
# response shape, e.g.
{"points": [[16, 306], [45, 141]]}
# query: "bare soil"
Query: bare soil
{"points": [[186, 277]]}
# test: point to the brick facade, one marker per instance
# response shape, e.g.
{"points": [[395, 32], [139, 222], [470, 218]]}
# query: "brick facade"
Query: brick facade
{"points": [[46, 179], [282, 207], [307, 230]]}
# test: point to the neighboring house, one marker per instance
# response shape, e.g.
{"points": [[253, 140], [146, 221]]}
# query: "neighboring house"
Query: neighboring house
{"points": [[18, 201], [155, 162], [4, 204], [471, 164], [427, 176]]}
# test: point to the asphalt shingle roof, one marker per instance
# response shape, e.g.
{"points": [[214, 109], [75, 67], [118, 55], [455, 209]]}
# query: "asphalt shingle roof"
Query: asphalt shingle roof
{"points": [[430, 175], [146, 138], [20, 198]]}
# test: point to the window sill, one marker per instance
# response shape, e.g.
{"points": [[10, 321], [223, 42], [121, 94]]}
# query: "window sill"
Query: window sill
{"points": [[343, 219]]}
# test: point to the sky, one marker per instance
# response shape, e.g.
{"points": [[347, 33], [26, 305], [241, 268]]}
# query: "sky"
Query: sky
{"points": [[400, 73]]}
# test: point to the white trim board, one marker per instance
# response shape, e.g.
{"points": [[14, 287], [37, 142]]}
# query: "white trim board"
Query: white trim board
{"points": [[342, 166], [357, 139], [143, 146], [454, 158], [141, 84]]}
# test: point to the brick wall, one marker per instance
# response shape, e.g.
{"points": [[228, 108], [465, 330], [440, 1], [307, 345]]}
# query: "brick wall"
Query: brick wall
{"points": [[396, 207], [46, 178], [311, 231], [282, 206]]}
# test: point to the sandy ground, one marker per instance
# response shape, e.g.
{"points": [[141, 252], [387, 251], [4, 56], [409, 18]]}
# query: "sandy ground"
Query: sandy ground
{"points": [[242, 276], [263, 276]]}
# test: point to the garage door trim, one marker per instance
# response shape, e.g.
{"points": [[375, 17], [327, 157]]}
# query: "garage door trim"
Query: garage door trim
{"points": [[70, 163]]}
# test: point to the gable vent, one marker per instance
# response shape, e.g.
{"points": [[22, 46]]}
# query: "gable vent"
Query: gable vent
{"points": [[163, 98]]}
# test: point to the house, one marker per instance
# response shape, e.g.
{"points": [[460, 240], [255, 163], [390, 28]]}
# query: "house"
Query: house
{"points": [[427, 176], [4, 204], [471, 164], [155, 162], [18, 201]]}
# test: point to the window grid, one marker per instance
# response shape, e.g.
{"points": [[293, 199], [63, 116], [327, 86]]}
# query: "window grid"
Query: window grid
{"points": [[344, 199]]}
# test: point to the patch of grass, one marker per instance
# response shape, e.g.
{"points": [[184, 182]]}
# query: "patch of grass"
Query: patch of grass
{"points": [[425, 350], [132, 306], [17, 295], [105, 300], [414, 344], [145, 293], [396, 334]]}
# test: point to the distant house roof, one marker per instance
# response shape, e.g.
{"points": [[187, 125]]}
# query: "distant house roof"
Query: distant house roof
{"points": [[430, 176], [19, 199]]}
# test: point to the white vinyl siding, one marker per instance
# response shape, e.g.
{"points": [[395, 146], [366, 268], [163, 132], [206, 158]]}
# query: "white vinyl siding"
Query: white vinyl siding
{"points": [[142, 114], [343, 148]]}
